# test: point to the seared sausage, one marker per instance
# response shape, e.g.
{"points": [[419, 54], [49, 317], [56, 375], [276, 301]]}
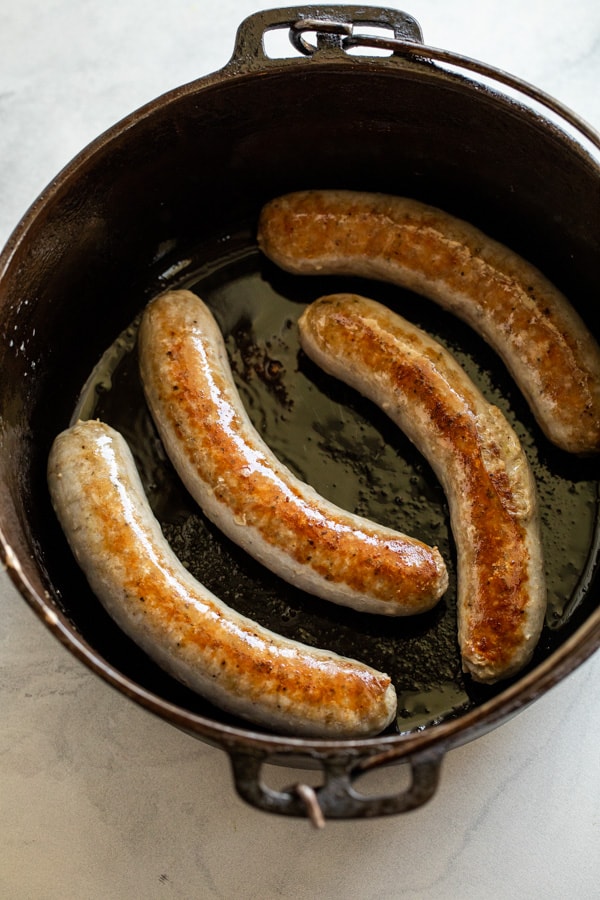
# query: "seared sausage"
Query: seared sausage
{"points": [[238, 665], [249, 494], [544, 343], [477, 457]]}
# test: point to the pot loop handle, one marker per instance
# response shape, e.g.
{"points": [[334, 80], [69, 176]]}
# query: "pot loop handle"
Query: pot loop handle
{"points": [[336, 798], [332, 25]]}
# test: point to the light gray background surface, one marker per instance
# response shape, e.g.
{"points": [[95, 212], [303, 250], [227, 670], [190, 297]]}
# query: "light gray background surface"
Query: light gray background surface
{"points": [[101, 801]]}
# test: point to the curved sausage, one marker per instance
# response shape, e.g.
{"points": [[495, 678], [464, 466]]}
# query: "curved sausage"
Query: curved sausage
{"points": [[244, 489], [475, 454], [238, 665], [531, 325]]}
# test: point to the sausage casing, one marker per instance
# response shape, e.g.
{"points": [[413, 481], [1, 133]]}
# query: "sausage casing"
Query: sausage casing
{"points": [[249, 494], [238, 665], [477, 457], [531, 325]]}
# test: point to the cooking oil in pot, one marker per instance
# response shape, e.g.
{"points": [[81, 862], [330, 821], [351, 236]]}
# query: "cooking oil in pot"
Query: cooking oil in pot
{"points": [[352, 454]]}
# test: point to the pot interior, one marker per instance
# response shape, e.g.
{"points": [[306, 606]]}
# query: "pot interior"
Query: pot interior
{"points": [[171, 198]]}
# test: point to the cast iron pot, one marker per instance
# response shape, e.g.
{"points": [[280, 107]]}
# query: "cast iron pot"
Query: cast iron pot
{"points": [[170, 197]]}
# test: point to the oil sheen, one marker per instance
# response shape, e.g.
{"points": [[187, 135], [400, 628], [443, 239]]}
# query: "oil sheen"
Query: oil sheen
{"points": [[353, 455]]}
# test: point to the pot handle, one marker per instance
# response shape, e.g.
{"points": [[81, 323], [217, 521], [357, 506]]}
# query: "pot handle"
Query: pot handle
{"points": [[336, 798], [332, 25]]}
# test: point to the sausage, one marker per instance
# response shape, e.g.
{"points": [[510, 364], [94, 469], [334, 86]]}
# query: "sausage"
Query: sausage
{"points": [[475, 454], [249, 494], [229, 659], [531, 325]]}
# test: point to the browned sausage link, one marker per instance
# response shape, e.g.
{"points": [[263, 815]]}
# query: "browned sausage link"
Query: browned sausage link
{"points": [[226, 657], [250, 494], [474, 452], [545, 345]]}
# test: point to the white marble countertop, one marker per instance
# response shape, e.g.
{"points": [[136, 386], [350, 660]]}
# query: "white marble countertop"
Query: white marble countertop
{"points": [[98, 799]]}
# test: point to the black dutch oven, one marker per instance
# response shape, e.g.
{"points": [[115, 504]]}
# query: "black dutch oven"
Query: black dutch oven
{"points": [[170, 197]]}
